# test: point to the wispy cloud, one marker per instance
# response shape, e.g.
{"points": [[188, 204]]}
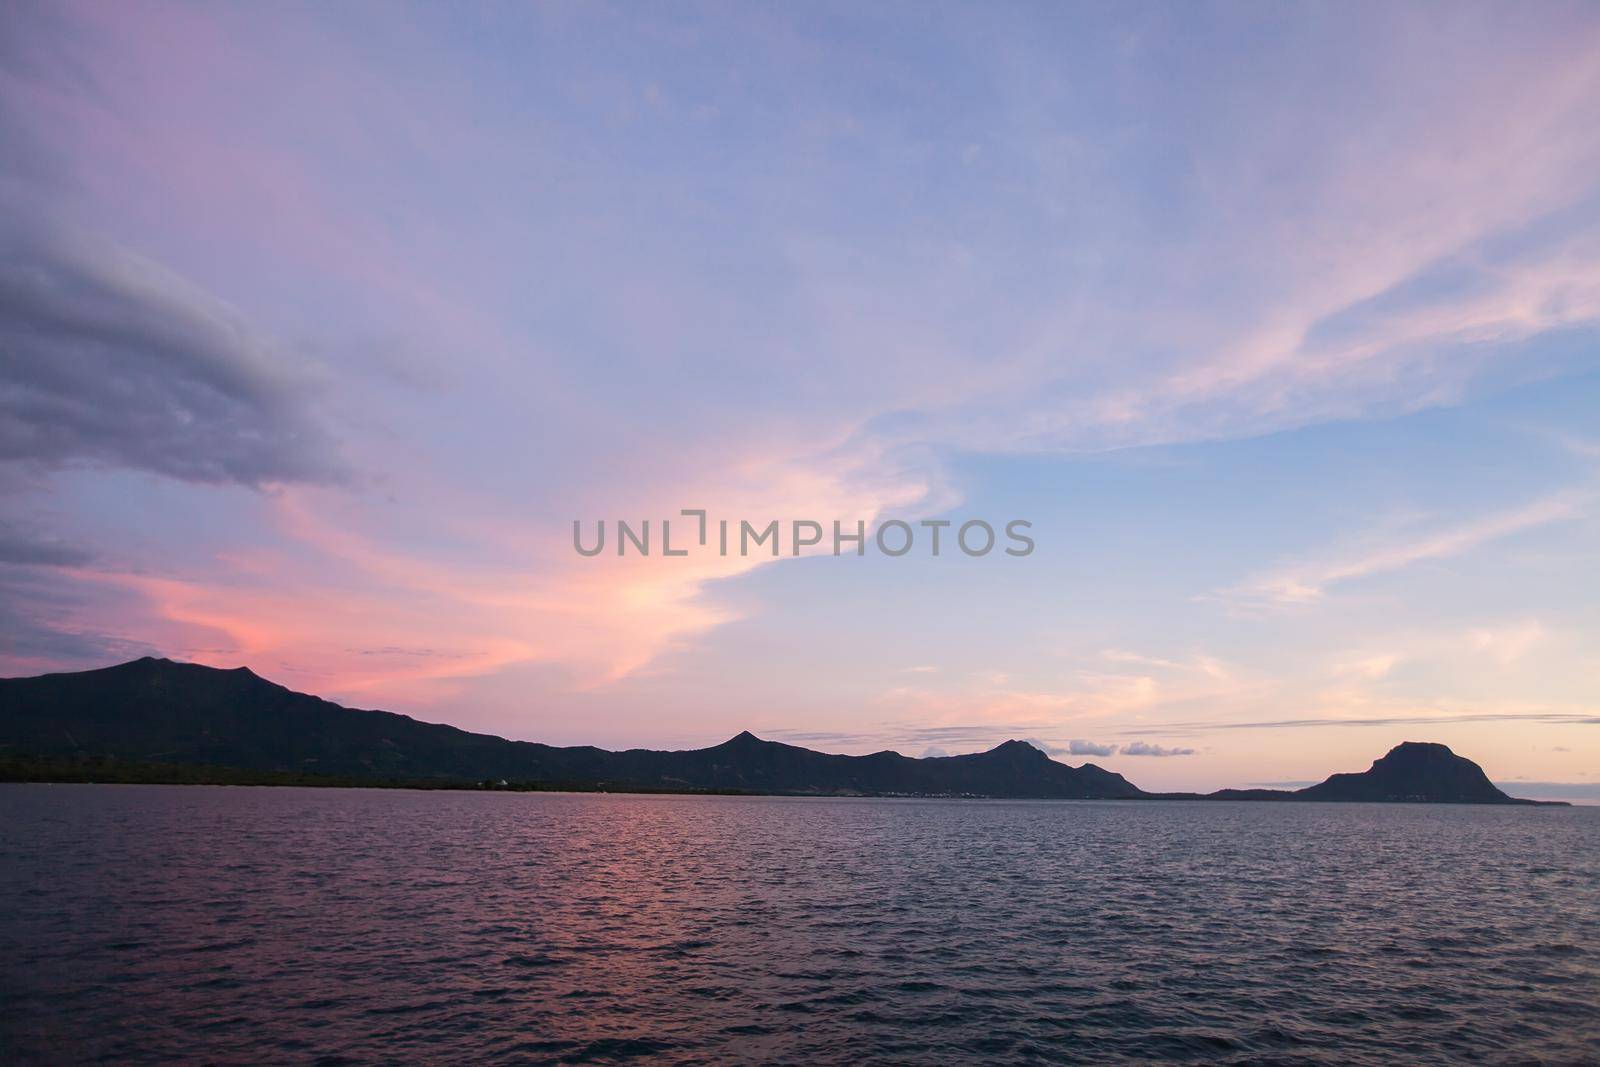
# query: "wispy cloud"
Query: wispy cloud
{"points": [[1507, 645], [1552, 718], [1308, 582], [1370, 667], [1200, 663], [938, 740]]}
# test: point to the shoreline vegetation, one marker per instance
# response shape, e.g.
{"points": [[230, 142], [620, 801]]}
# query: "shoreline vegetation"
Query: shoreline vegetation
{"points": [[105, 770], [108, 770], [154, 721]]}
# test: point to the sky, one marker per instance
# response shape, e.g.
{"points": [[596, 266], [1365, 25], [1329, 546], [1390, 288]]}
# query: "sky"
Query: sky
{"points": [[320, 325]]}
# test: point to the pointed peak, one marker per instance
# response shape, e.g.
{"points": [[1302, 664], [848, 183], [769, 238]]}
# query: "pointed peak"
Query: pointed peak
{"points": [[143, 664], [743, 737], [1018, 748]]}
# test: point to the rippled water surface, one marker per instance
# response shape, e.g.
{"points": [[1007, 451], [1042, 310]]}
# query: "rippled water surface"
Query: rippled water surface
{"points": [[286, 925]]}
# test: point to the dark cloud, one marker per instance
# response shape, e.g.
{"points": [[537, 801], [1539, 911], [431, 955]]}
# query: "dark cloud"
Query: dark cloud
{"points": [[109, 358], [26, 639], [1144, 748], [37, 612], [23, 547]]}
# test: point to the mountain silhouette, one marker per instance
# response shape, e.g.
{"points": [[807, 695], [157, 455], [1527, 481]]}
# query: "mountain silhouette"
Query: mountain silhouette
{"points": [[1411, 772], [155, 713]]}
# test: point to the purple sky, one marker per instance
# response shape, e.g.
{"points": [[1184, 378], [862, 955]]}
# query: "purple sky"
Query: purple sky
{"points": [[320, 324]]}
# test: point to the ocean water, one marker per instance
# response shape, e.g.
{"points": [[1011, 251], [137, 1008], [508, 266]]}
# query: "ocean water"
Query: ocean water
{"points": [[213, 924]]}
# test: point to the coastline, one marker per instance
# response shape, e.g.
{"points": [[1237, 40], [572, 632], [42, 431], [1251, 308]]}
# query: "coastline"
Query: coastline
{"points": [[22, 770]]}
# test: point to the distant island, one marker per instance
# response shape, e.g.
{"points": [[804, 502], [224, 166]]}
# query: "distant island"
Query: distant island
{"points": [[154, 720]]}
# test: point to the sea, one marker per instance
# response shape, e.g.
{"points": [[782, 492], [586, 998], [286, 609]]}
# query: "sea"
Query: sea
{"points": [[201, 924]]}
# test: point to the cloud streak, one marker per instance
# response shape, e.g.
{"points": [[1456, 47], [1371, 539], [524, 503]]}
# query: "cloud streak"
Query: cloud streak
{"points": [[1551, 718], [108, 358], [972, 738], [1309, 582], [24, 547]]}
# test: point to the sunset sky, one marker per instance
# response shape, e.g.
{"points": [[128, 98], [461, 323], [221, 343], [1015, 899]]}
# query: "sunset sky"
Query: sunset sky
{"points": [[1280, 323]]}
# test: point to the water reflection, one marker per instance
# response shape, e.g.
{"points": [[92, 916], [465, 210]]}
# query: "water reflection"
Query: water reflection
{"points": [[230, 924]]}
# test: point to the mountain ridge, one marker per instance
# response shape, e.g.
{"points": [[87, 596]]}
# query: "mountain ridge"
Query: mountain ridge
{"points": [[154, 711]]}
